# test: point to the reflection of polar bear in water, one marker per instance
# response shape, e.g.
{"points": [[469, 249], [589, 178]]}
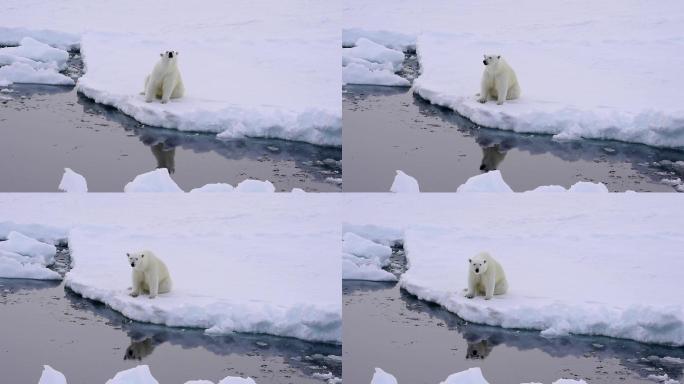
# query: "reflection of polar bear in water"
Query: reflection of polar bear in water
{"points": [[498, 81], [165, 156], [479, 350], [150, 274], [492, 157], [165, 81], [485, 277]]}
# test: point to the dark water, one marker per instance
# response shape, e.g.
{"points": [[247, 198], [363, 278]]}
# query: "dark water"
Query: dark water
{"points": [[388, 128], [46, 323], [421, 343], [44, 129]]}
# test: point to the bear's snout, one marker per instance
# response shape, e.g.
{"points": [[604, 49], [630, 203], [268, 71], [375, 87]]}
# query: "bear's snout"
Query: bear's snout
{"points": [[484, 62], [477, 270], [170, 55], [133, 265]]}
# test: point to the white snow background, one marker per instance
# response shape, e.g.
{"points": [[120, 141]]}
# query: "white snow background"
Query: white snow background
{"points": [[250, 68], [600, 70], [239, 262], [594, 264]]}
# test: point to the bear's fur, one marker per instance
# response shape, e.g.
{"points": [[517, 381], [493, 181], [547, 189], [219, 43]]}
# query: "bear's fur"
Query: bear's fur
{"points": [[165, 81], [485, 277], [498, 81], [150, 274]]}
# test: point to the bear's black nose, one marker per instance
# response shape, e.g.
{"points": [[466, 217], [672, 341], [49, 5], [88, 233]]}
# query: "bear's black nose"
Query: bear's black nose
{"points": [[474, 353], [132, 265], [477, 270], [170, 55], [484, 62]]}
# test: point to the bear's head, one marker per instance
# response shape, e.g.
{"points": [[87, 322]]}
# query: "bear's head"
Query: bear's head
{"points": [[478, 264], [138, 260], [169, 56], [491, 60]]}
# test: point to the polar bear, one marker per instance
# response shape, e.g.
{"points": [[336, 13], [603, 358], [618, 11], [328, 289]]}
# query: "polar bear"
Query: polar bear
{"points": [[498, 81], [165, 81], [150, 274], [485, 276]]}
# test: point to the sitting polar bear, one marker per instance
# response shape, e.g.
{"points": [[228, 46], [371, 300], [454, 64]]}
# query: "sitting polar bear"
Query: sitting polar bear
{"points": [[165, 81], [498, 81], [485, 277], [150, 274]]}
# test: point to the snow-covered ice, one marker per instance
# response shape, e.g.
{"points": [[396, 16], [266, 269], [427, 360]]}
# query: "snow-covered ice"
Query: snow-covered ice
{"points": [[51, 376], [363, 259], [214, 188], [158, 180], [250, 68], [367, 62], [586, 71], [73, 182], [137, 375], [251, 263], [33, 62], [487, 182], [469, 376], [22, 257], [493, 182], [255, 186], [404, 183], [580, 265]]}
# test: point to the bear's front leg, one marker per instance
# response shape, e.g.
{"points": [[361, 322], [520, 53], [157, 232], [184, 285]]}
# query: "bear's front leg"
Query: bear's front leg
{"points": [[471, 286], [168, 84], [137, 284], [501, 90], [150, 92], [153, 284], [484, 91], [490, 282]]}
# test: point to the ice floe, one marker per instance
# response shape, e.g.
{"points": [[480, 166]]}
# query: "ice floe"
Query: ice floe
{"points": [[73, 182], [137, 375], [251, 263]]}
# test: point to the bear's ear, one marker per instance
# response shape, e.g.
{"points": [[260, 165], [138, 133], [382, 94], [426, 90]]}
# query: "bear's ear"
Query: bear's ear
{"points": [[161, 54], [484, 56], [470, 261], [176, 53], [485, 261], [142, 255], [498, 57]]}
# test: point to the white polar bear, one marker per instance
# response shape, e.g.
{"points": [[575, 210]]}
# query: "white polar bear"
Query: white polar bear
{"points": [[485, 276], [150, 274], [165, 81], [498, 81]]}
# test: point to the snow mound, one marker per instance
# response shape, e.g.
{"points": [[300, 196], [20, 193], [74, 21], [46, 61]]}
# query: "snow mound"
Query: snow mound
{"points": [[382, 377], [487, 182], [73, 182], [363, 259], [33, 49], [33, 62], [158, 180], [371, 63], [26, 246], [641, 107], [404, 183], [587, 187], [255, 186], [137, 375], [214, 188], [22, 257], [469, 376], [51, 376]]}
